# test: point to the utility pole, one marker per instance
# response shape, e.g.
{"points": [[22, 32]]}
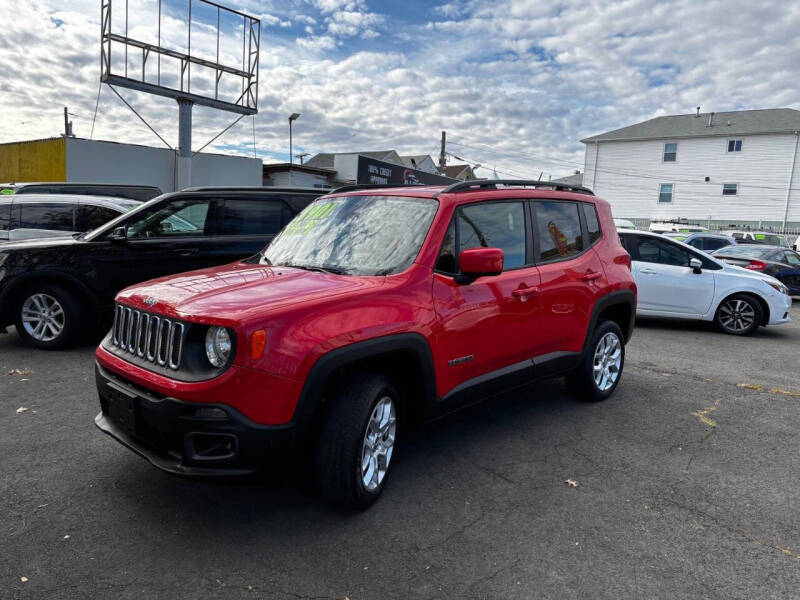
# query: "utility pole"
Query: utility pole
{"points": [[442, 161], [67, 124]]}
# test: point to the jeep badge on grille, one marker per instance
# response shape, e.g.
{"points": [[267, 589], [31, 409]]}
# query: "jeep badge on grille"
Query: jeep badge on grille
{"points": [[150, 301]]}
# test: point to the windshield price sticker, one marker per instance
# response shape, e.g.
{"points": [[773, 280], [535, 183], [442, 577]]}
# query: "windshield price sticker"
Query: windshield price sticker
{"points": [[311, 217]]}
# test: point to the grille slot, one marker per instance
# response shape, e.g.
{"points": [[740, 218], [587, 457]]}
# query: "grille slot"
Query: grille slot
{"points": [[152, 338]]}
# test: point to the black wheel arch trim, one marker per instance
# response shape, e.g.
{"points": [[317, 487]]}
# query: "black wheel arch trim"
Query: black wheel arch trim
{"points": [[620, 297], [311, 395], [20, 281]]}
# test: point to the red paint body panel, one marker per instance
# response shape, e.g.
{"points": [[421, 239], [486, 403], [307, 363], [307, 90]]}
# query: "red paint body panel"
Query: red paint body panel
{"points": [[472, 329]]}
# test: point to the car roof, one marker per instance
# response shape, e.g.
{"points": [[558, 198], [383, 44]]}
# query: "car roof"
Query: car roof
{"points": [[68, 198], [745, 247], [21, 184], [254, 188]]}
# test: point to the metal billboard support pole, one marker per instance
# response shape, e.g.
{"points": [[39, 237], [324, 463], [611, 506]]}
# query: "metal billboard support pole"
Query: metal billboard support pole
{"points": [[184, 144]]}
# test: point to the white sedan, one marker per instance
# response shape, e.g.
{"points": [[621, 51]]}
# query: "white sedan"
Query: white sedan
{"points": [[680, 282]]}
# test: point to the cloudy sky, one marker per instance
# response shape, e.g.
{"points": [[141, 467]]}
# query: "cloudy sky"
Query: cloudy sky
{"points": [[515, 83]]}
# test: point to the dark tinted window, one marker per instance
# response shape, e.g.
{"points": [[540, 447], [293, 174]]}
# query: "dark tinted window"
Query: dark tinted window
{"points": [[446, 263], [558, 230], [715, 243], [5, 214], [592, 222], [88, 217], [791, 258], [494, 225], [653, 250], [56, 217], [254, 217], [178, 218], [697, 242]]}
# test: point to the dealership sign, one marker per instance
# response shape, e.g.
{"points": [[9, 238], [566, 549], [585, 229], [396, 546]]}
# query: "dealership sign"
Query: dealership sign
{"points": [[371, 170]]}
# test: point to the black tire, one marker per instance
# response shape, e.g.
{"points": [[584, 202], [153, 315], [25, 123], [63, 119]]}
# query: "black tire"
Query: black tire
{"points": [[581, 381], [74, 316], [340, 447], [740, 314]]}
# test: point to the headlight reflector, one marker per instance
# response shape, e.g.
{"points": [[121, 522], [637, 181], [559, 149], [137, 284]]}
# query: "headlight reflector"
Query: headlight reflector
{"points": [[218, 346], [778, 286]]}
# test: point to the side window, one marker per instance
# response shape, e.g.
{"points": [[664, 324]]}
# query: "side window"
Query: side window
{"points": [[446, 262], [715, 244], [494, 225], [698, 243], [592, 222], [253, 216], [5, 215], [662, 252], [56, 217], [88, 217], [558, 230], [185, 217]]}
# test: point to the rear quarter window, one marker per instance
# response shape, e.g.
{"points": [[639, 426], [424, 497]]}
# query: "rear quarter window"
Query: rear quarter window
{"points": [[592, 223]]}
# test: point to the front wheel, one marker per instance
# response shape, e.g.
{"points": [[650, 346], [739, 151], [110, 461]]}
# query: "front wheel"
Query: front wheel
{"points": [[357, 442], [738, 315], [49, 316], [600, 370]]}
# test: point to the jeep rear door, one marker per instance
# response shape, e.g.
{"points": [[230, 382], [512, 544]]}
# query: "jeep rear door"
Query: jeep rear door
{"points": [[572, 276]]}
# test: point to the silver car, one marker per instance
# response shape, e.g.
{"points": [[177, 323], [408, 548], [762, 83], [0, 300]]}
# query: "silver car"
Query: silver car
{"points": [[27, 216]]}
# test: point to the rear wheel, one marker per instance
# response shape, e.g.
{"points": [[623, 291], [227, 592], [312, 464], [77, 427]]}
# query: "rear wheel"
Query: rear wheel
{"points": [[600, 370], [48, 316], [740, 314], [357, 442]]}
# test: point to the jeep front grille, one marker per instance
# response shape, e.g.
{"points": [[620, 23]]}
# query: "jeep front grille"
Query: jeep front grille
{"points": [[151, 338]]}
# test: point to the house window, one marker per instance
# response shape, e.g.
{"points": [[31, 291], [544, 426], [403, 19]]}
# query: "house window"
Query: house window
{"points": [[730, 189], [734, 145], [671, 152], [665, 191]]}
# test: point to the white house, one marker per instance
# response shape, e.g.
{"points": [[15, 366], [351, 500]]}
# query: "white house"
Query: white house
{"points": [[722, 168]]}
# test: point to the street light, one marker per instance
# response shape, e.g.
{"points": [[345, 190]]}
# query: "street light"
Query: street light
{"points": [[292, 117]]}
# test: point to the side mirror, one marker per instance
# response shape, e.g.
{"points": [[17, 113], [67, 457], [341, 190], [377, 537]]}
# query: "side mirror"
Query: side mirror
{"points": [[118, 235], [475, 262], [696, 264]]}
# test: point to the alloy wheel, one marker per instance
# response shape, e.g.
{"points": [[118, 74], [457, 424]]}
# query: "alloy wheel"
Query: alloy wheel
{"points": [[607, 361], [737, 315], [43, 317], [378, 444]]}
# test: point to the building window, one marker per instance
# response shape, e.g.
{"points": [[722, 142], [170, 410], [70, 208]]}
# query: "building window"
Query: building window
{"points": [[671, 152], [665, 191], [734, 145], [730, 189]]}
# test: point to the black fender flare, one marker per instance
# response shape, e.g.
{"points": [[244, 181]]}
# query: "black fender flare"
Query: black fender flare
{"points": [[314, 385], [623, 297], [53, 276]]}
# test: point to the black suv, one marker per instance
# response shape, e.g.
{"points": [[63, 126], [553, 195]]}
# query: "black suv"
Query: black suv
{"points": [[54, 290]]}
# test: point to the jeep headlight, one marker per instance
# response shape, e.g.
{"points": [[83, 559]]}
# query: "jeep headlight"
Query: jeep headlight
{"points": [[218, 346]]}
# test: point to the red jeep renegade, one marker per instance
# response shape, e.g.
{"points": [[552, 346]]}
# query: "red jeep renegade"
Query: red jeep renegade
{"points": [[372, 308]]}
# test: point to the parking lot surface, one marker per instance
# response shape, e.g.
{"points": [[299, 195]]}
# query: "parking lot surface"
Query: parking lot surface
{"points": [[686, 480]]}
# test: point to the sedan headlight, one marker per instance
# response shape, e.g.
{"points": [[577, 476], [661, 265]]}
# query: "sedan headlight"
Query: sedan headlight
{"points": [[218, 346], [778, 286]]}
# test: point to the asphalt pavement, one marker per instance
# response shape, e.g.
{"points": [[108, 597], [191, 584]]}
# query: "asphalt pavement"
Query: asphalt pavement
{"points": [[687, 487]]}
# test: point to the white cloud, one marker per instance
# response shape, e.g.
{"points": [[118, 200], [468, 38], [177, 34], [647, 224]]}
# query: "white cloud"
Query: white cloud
{"points": [[517, 83]]}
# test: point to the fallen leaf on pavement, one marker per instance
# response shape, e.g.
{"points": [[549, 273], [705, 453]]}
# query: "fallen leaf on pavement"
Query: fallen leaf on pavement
{"points": [[20, 372], [23, 579], [571, 483], [21, 409]]}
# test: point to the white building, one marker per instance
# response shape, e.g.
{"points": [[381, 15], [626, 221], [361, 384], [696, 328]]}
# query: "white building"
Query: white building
{"points": [[717, 168]]}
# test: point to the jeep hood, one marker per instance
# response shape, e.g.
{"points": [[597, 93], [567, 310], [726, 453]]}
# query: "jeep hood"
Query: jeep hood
{"points": [[233, 291]]}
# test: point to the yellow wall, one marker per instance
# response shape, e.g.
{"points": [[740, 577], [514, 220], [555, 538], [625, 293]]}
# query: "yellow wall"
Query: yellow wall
{"points": [[40, 160]]}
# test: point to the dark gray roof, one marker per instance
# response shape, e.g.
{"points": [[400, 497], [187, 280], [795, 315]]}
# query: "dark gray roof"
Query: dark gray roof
{"points": [[324, 160], [742, 122]]}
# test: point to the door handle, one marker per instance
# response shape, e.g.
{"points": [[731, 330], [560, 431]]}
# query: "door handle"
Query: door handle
{"points": [[592, 275], [188, 252], [648, 271], [525, 292]]}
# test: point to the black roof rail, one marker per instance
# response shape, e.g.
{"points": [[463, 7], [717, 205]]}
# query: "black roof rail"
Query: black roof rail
{"points": [[366, 186], [478, 184]]}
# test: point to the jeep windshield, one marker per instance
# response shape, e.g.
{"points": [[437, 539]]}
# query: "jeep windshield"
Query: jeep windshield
{"points": [[354, 235]]}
